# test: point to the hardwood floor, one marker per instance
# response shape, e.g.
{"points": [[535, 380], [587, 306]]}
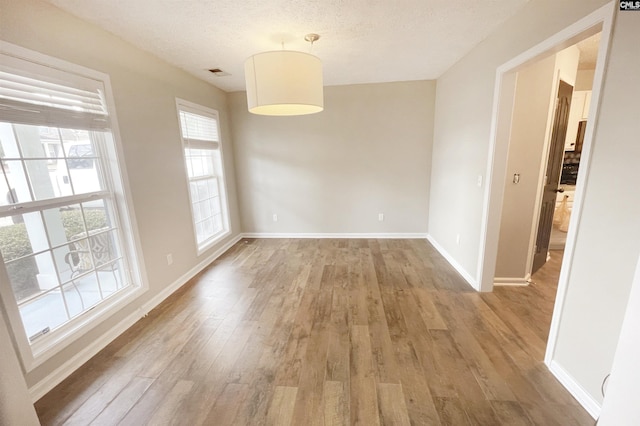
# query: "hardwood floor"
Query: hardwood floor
{"points": [[333, 332]]}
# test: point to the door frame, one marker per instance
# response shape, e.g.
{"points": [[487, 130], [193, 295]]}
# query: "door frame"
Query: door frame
{"points": [[504, 94]]}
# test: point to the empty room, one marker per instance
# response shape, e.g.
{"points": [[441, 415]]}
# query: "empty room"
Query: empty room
{"points": [[218, 212]]}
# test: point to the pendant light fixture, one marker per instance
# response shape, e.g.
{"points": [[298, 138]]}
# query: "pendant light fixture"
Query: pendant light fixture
{"points": [[284, 82]]}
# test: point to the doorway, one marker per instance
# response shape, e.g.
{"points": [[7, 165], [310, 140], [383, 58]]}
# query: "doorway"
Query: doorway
{"points": [[504, 96]]}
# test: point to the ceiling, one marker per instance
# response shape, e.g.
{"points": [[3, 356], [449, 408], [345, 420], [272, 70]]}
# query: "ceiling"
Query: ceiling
{"points": [[589, 52], [362, 41]]}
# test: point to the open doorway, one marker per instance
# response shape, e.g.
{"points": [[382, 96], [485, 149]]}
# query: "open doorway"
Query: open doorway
{"points": [[503, 111], [574, 141], [548, 123]]}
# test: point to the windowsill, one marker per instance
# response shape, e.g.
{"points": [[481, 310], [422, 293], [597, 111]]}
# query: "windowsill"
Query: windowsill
{"points": [[54, 342], [215, 240]]}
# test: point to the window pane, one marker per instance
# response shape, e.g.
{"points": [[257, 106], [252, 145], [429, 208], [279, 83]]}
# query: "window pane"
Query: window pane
{"points": [[62, 185], [14, 237], [198, 166], [111, 278], [44, 181], [96, 215], [203, 189], [23, 277], [207, 211], [18, 191], [42, 312], [8, 145], [73, 259], [102, 247], [81, 294], [30, 275], [64, 224], [200, 237], [197, 213], [6, 197], [207, 166], [84, 175], [30, 140], [208, 227], [213, 188], [216, 205], [188, 163], [217, 223], [193, 188]]}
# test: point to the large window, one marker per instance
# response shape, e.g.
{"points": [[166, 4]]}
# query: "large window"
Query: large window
{"points": [[62, 247], [203, 160]]}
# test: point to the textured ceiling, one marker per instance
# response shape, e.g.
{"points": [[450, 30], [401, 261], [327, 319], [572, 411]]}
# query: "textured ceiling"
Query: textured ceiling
{"points": [[362, 41]]}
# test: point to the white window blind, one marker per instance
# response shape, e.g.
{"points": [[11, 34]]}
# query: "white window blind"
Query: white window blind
{"points": [[197, 128], [76, 103]]}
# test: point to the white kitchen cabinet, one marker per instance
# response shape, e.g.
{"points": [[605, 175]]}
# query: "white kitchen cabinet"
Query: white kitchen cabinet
{"points": [[580, 102]]}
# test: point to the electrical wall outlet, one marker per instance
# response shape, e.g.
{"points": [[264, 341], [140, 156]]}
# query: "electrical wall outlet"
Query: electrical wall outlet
{"points": [[169, 259], [380, 217], [479, 182], [275, 217], [458, 239]]}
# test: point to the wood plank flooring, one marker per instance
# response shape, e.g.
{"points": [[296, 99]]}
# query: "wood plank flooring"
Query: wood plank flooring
{"points": [[327, 332]]}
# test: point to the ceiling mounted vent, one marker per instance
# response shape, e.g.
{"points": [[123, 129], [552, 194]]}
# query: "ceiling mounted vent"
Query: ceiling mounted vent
{"points": [[218, 72]]}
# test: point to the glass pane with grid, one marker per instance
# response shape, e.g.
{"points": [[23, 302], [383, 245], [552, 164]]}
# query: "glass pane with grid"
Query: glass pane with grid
{"points": [[205, 207], [60, 255], [204, 170]]}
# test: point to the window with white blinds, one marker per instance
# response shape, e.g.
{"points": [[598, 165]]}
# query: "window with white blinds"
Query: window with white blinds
{"points": [[197, 128], [204, 168], [64, 255], [31, 93]]}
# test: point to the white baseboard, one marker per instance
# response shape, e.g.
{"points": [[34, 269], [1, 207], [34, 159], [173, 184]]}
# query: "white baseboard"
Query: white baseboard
{"points": [[468, 278], [45, 385], [334, 235], [170, 289], [579, 393], [50, 381], [518, 282]]}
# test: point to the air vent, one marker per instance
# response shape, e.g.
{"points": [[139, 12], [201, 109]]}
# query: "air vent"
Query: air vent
{"points": [[218, 72]]}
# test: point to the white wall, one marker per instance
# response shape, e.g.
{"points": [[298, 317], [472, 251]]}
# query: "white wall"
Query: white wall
{"points": [[463, 121], [368, 152], [620, 405], [15, 404], [144, 89], [608, 241], [609, 236]]}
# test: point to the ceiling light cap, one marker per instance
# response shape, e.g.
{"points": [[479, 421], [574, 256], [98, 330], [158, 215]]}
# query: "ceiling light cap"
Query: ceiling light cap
{"points": [[311, 37]]}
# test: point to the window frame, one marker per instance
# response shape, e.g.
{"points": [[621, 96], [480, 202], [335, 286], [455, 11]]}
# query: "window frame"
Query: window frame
{"points": [[34, 354], [187, 106]]}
